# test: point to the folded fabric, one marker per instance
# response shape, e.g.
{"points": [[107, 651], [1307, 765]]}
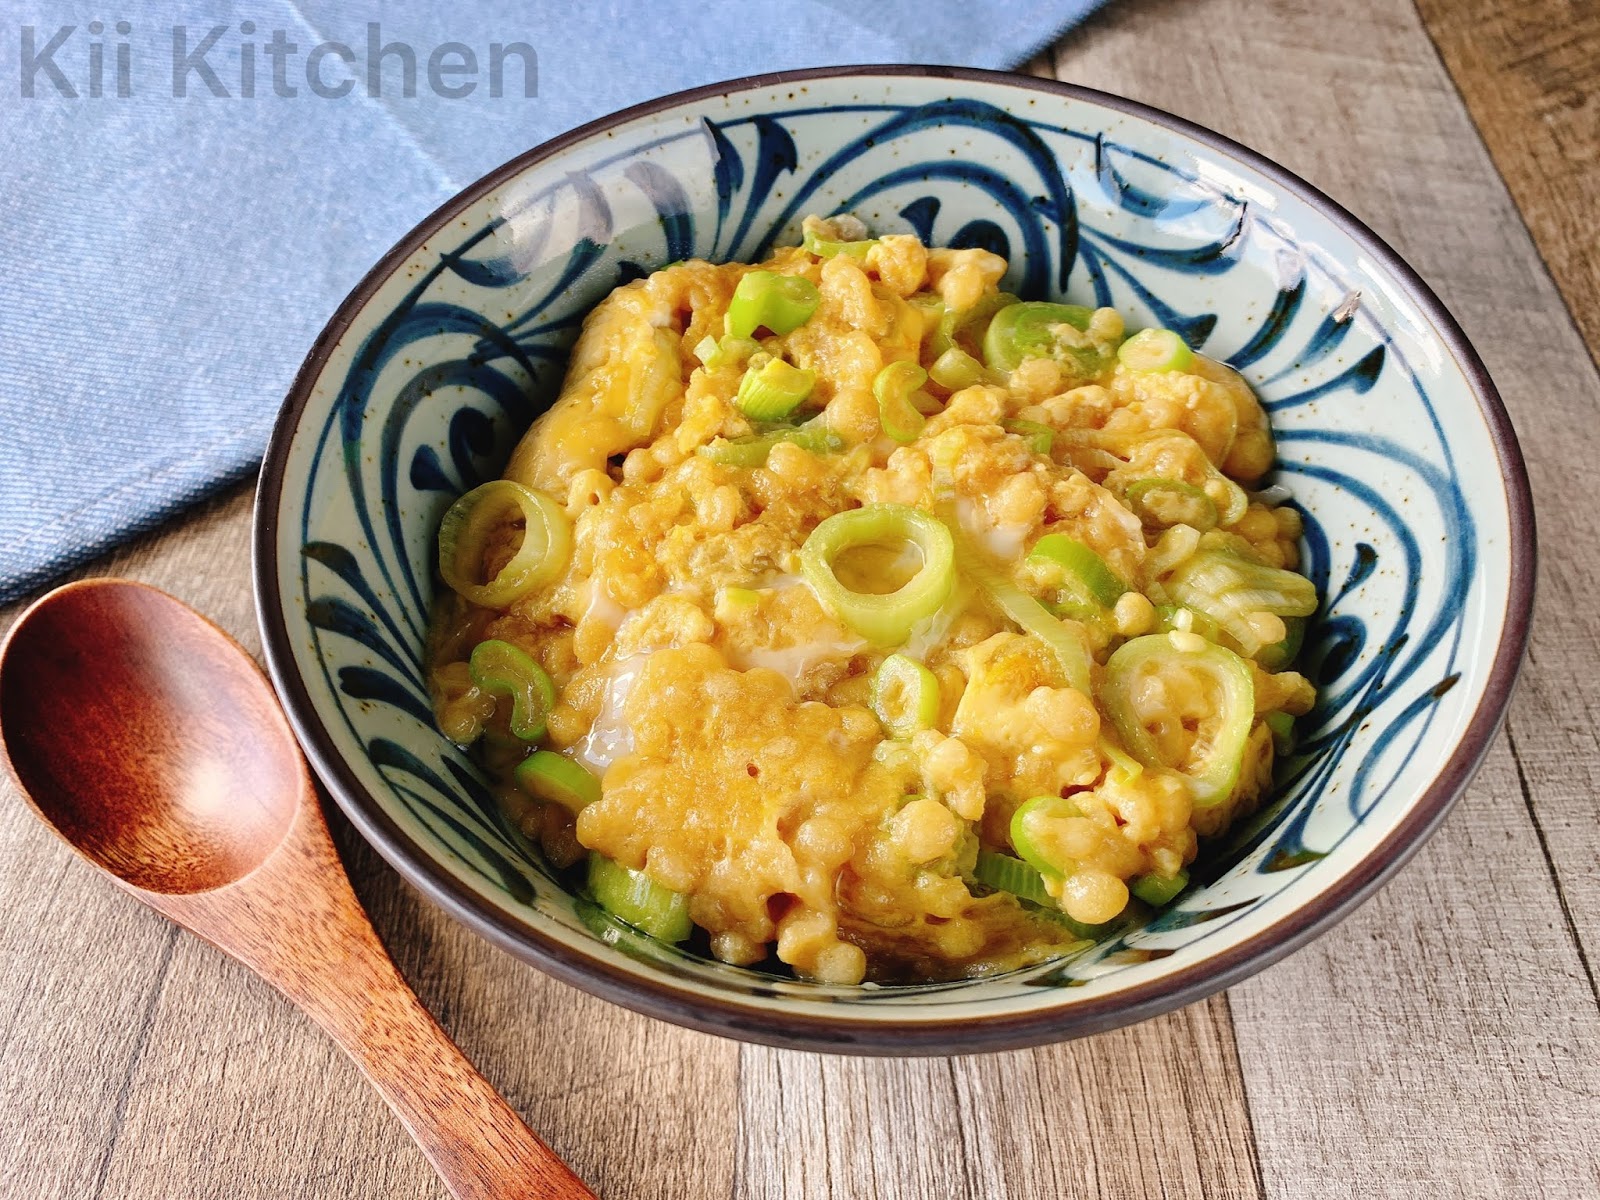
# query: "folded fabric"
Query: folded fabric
{"points": [[188, 194]]}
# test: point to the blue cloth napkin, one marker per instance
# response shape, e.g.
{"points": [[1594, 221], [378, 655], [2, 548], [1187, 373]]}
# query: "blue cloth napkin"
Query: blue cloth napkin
{"points": [[168, 259]]}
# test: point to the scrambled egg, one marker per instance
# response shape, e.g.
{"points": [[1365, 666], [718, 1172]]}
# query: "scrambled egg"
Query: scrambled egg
{"points": [[726, 711]]}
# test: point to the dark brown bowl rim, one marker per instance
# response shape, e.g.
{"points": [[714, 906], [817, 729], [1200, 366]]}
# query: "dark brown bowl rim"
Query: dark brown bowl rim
{"points": [[752, 1020]]}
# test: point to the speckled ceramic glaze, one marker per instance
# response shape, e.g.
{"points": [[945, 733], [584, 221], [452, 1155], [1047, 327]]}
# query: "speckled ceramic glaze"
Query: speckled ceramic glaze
{"points": [[1391, 441]]}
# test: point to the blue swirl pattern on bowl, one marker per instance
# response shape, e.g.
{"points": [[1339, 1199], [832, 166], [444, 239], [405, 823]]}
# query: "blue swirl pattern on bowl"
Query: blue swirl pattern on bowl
{"points": [[460, 337]]}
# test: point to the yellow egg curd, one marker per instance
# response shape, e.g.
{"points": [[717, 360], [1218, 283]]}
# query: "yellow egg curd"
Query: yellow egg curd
{"points": [[854, 612]]}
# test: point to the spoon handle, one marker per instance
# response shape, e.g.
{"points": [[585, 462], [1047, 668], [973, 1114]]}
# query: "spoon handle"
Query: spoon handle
{"points": [[298, 924], [478, 1145]]}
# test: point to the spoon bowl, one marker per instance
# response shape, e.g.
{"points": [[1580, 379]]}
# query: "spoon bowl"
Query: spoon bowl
{"points": [[145, 739], [148, 741]]}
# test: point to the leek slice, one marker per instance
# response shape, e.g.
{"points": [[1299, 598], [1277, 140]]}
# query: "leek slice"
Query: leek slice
{"points": [[1159, 890], [1030, 834], [1155, 350], [771, 389], [1068, 644], [502, 669], [897, 388], [634, 897], [956, 369], [1022, 330], [767, 300], [883, 619], [1077, 570], [905, 695], [717, 352], [814, 243], [472, 520], [814, 437], [1162, 503], [1006, 874], [1230, 589], [1214, 761], [1040, 438], [556, 779]]}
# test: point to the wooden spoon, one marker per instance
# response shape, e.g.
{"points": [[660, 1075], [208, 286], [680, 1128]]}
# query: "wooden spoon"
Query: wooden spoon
{"points": [[148, 740]]}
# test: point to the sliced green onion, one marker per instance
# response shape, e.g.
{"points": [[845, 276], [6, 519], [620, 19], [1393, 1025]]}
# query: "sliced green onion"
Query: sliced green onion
{"points": [[1030, 833], [1077, 570], [1021, 331], [502, 669], [905, 695], [1162, 503], [896, 388], [1218, 751], [752, 450], [555, 778], [1230, 589], [1068, 645], [634, 897], [1155, 350], [956, 369], [934, 340], [988, 304], [767, 300], [1040, 438], [1238, 500], [814, 243], [716, 352], [1158, 891], [1004, 873], [1186, 620], [885, 619], [968, 322], [476, 517], [1281, 725], [1279, 655], [773, 389], [1122, 763]]}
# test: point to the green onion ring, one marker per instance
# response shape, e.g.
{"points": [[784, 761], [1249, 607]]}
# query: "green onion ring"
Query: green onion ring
{"points": [[884, 620], [470, 522]]}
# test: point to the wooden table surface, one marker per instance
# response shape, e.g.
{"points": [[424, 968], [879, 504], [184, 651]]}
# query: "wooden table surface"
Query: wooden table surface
{"points": [[1442, 1042]]}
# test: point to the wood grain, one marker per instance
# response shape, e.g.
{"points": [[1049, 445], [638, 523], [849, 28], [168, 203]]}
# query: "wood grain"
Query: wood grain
{"points": [[1444, 1037], [155, 748], [1153, 1110], [1441, 1042], [1528, 74]]}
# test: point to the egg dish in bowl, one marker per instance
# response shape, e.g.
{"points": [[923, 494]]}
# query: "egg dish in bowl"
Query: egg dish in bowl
{"points": [[1038, 475], [871, 619]]}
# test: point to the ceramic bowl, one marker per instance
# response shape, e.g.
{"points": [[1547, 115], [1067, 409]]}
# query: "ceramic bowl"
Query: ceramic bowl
{"points": [[1391, 441]]}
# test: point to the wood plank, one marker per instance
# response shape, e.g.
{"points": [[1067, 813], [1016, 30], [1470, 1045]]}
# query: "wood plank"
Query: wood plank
{"points": [[1442, 1042], [1154, 1110], [1445, 1035], [821, 1125], [1530, 75], [1157, 1109], [142, 1063]]}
